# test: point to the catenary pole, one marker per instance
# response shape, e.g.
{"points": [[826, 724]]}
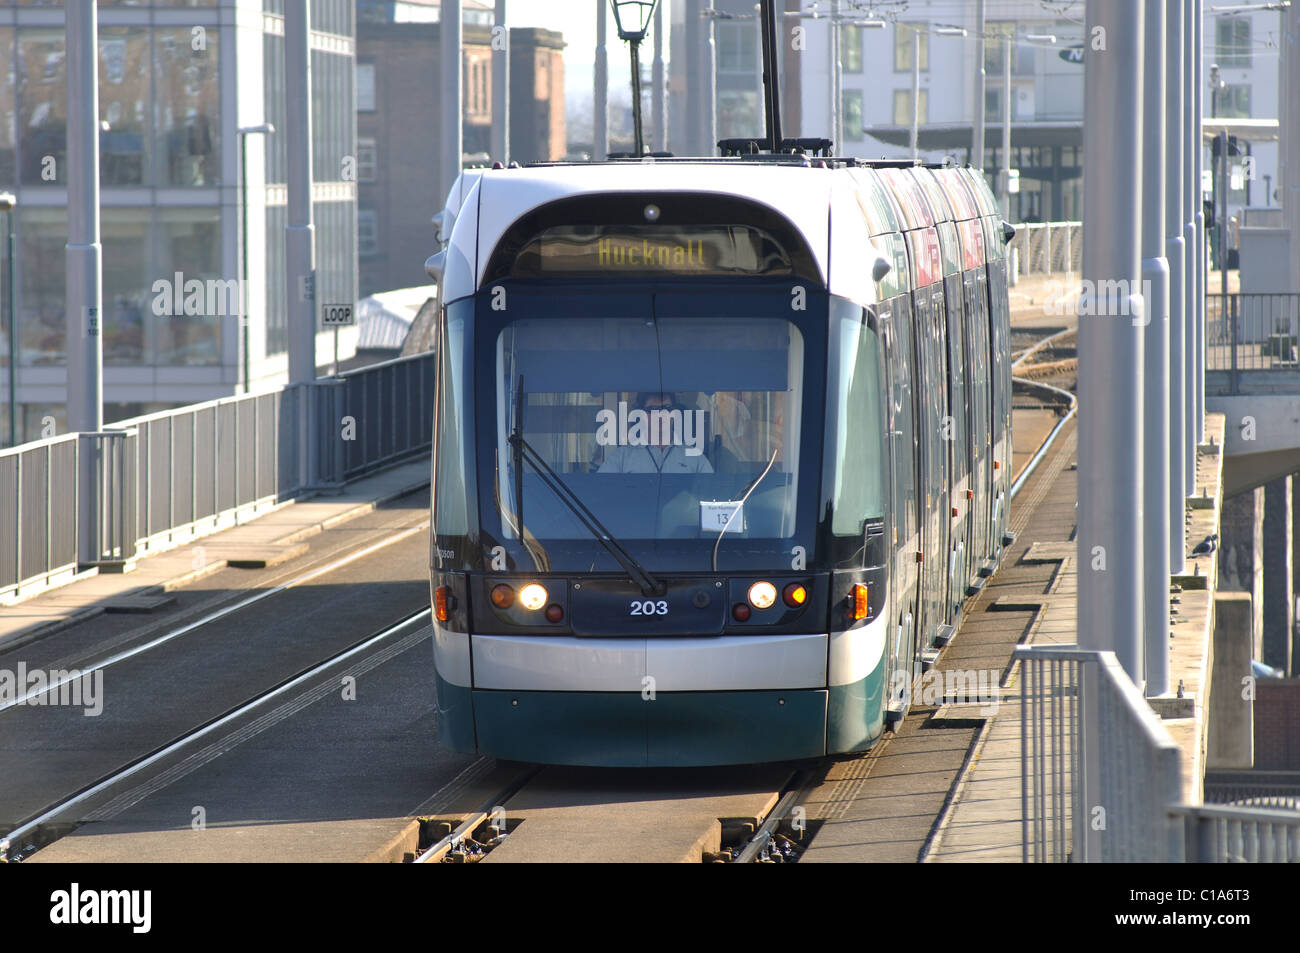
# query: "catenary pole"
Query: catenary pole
{"points": [[84, 267], [1176, 252], [1155, 353]]}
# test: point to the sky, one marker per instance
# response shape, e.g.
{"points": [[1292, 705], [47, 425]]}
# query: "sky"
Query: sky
{"points": [[576, 19]]}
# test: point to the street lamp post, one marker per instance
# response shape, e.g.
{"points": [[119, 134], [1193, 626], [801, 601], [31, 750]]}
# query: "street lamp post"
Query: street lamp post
{"points": [[633, 20], [265, 129], [7, 205]]}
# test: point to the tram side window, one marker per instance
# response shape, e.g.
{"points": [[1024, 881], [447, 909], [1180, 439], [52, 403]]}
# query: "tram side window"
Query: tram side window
{"points": [[451, 516], [854, 421]]}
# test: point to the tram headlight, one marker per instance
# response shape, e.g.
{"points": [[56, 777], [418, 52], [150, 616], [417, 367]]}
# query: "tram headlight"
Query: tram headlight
{"points": [[762, 595], [532, 596]]}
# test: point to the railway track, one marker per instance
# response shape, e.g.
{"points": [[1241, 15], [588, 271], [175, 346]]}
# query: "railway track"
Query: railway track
{"points": [[44, 826]]}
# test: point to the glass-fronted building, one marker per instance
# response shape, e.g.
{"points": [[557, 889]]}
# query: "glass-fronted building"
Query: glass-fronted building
{"points": [[178, 79]]}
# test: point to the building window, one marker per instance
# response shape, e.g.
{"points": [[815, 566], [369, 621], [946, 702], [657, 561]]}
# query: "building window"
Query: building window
{"points": [[851, 49], [1232, 42], [903, 34], [853, 131], [1234, 102], [737, 47], [365, 87], [367, 158], [995, 49], [903, 108], [367, 232]]}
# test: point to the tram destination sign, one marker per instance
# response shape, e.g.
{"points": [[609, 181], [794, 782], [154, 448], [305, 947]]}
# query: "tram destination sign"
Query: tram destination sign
{"points": [[649, 250]]}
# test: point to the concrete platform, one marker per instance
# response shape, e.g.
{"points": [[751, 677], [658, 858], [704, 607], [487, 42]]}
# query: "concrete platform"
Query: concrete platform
{"points": [[266, 540], [983, 822]]}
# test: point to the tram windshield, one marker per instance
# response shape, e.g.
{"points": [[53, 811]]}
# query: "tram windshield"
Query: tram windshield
{"points": [[682, 436]]}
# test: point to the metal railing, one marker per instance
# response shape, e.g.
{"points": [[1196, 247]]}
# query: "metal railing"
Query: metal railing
{"points": [[166, 478], [38, 512], [374, 416], [1046, 248], [1214, 834], [1100, 776], [1251, 332], [1098, 769]]}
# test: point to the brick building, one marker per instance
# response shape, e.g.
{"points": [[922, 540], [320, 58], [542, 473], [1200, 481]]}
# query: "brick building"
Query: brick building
{"points": [[399, 115]]}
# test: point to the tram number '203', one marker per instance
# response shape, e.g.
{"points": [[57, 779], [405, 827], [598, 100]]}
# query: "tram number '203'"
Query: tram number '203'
{"points": [[649, 607]]}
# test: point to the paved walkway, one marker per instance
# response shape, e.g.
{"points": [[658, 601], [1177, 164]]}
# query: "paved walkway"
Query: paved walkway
{"points": [[983, 821], [263, 541]]}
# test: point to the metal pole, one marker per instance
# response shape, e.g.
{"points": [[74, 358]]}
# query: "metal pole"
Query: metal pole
{"points": [[837, 77], [916, 93], [1193, 303], [659, 115], [243, 258], [760, 119], [600, 104], [1006, 130], [1289, 180], [977, 128], [452, 94], [1155, 395], [711, 85], [1176, 252], [1198, 354], [1111, 357], [83, 286], [501, 86], [300, 232], [1224, 173], [771, 73], [8, 203], [638, 135]]}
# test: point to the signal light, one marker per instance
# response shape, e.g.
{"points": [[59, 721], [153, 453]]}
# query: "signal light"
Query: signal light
{"points": [[954, 511], [443, 603], [860, 602], [532, 596], [503, 597], [740, 612], [997, 464], [794, 595], [555, 612]]}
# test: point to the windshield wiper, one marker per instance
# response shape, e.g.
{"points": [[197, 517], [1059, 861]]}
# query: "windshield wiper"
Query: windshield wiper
{"points": [[650, 586]]}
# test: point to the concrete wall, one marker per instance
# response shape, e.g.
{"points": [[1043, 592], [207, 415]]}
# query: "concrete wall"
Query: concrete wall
{"points": [[1241, 556], [1231, 707]]}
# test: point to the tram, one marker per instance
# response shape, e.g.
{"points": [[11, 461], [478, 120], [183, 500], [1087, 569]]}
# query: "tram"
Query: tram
{"points": [[721, 448]]}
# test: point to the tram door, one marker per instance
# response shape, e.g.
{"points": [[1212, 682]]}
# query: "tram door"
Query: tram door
{"points": [[895, 322], [932, 497]]}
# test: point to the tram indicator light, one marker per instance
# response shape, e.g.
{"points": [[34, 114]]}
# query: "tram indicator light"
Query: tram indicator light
{"points": [[443, 603], [860, 606], [503, 597], [794, 595]]}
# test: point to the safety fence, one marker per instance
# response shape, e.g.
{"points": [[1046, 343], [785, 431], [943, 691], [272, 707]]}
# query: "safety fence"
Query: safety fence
{"points": [[1048, 248], [1100, 775], [1251, 332], [169, 477]]}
